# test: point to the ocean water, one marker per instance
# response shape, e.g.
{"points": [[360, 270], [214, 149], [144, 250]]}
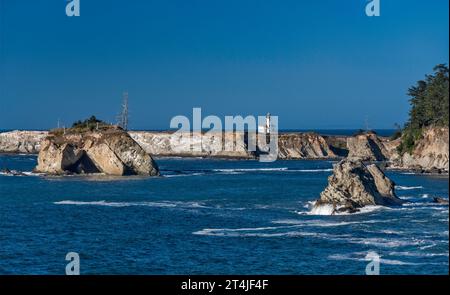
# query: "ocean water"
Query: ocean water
{"points": [[214, 217]]}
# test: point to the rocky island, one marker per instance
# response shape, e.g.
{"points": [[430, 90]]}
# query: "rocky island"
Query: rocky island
{"points": [[93, 147], [354, 185]]}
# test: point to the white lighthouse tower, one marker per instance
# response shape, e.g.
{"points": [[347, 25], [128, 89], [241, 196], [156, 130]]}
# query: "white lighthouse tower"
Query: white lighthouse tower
{"points": [[267, 127]]}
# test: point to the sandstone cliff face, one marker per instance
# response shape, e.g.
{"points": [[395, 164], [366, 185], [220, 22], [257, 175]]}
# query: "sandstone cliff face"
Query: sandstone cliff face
{"points": [[354, 185], [367, 147], [21, 141], [233, 145], [111, 152], [303, 146], [430, 154], [199, 145]]}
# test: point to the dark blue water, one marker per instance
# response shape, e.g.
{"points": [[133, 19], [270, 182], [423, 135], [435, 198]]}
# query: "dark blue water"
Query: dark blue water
{"points": [[214, 217]]}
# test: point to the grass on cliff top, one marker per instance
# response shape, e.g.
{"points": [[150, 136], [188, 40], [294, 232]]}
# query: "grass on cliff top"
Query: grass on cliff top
{"points": [[89, 125]]}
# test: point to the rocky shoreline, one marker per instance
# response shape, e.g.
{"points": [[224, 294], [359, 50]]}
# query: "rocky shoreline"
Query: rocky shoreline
{"points": [[431, 155]]}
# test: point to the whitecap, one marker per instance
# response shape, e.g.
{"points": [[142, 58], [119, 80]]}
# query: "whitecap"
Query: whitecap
{"points": [[405, 188], [382, 260], [262, 233], [162, 204], [417, 254], [387, 242], [323, 223], [183, 175]]}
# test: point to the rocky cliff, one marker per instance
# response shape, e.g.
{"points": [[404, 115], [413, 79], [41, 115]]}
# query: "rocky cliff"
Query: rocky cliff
{"points": [[430, 154], [367, 147], [112, 152], [27, 142], [303, 146], [354, 185], [226, 145]]}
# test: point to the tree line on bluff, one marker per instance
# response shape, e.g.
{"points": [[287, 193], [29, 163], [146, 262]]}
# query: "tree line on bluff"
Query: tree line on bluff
{"points": [[429, 107]]}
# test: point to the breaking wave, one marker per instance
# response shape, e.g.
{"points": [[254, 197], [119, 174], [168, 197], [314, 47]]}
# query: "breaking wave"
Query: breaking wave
{"points": [[327, 209]]}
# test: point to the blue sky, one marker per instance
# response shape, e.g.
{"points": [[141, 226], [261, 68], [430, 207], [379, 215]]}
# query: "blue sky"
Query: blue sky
{"points": [[315, 64]]}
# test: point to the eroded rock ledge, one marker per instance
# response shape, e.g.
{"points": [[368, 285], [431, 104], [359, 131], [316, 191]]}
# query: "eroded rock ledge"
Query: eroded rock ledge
{"points": [[354, 185], [112, 152]]}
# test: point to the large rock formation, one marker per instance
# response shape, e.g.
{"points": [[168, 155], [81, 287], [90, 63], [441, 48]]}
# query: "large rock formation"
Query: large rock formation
{"points": [[27, 142], [354, 185], [431, 153], [111, 152], [367, 147], [303, 146]]}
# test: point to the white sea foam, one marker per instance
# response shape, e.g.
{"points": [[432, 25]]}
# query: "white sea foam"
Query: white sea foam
{"points": [[162, 204], [324, 223], [357, 257], [21, 173], [417, 254], [263, 232], [406, 188], [327, 209], [311, 170], [274, 232], [184, 175], [388, 242], [284, 169], [250, 169]]}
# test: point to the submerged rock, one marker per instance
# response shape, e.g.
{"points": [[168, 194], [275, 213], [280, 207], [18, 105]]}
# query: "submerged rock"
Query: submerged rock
{"points": [[440, 201], [8, 172], [354, 185], [112, 152]]}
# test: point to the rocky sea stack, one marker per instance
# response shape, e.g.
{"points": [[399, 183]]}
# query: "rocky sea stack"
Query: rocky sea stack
{"points": [[354, 185], [108, 150]]}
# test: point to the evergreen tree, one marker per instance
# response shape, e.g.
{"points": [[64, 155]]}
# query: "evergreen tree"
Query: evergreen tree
{"points": [[429, 106]]}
